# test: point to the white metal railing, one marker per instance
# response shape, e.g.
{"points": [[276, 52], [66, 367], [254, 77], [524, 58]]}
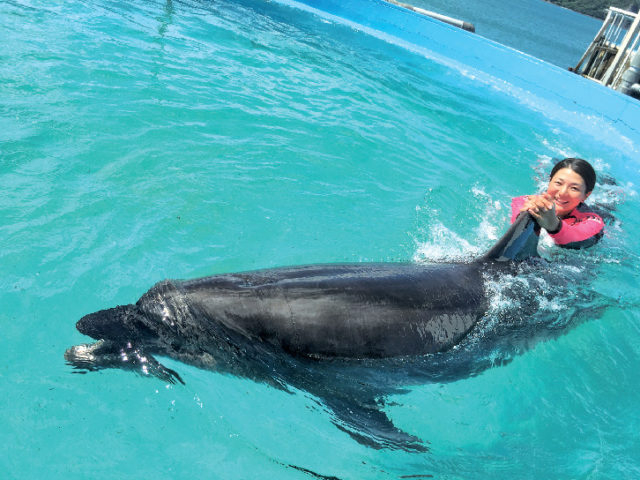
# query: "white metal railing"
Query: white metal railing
{"points": [[611, 50]]}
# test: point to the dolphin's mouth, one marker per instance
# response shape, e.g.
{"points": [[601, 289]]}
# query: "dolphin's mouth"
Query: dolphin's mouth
{"points": [[89, 356], [83, 351], [103, 354]]}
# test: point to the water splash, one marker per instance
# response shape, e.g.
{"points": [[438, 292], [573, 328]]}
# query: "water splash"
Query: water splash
{"points": [[438, 241]]}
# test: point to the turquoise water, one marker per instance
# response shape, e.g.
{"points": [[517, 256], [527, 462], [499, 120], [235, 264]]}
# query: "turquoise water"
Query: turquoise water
{"points": [[542, 29], [149, 140]]}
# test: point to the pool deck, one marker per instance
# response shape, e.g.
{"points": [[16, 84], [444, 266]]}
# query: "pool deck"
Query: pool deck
{"points": [[532, 75]]}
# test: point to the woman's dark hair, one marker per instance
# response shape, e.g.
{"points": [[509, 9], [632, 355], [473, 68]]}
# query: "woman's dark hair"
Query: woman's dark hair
{"points": [[581, 167]]}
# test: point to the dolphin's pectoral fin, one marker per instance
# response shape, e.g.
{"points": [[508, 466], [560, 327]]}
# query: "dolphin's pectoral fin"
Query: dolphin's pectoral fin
{"points": [[104, 354], [150, 366], [367, 424]]}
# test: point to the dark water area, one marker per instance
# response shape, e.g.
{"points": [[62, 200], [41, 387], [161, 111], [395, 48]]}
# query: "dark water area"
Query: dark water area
{"points": [[544, 30]]}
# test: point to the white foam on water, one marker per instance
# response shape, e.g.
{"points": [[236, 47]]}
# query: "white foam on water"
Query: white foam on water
{"points": [[444, 245]]}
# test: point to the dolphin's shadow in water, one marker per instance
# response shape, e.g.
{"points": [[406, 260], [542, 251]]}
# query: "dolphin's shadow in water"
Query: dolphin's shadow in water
{"points": [[348, 334]]}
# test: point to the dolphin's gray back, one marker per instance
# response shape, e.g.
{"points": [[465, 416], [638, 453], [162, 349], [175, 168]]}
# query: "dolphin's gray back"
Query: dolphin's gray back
{"points": [[338, 310]]}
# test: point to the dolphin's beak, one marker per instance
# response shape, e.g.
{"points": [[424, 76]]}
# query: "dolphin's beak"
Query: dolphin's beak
{"points": [[111, 324]]}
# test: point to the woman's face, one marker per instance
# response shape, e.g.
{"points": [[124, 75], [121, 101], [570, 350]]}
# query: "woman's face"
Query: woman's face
{"points": [[567, 188]]}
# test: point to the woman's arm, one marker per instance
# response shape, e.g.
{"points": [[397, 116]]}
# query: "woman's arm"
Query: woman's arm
{"points": [[579, 231], [516, 206]]}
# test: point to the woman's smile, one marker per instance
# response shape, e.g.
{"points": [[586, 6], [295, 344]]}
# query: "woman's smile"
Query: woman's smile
{"points": [[568, 190]]}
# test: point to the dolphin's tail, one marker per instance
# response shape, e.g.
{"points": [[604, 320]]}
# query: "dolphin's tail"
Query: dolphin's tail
{"points": [[518, 243]]}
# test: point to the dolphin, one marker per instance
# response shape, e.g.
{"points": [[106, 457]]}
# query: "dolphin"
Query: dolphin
{"points": [[305, 326]]}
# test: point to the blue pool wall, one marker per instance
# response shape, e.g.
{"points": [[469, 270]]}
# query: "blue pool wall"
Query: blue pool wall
{"points": [[541, 80]]}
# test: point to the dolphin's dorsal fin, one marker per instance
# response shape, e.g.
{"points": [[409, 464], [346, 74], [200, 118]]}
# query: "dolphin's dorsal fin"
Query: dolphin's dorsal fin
{"points": [[518, 242]]}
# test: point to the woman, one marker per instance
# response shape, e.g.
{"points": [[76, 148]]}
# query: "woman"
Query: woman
{"points": [[561, 211]]}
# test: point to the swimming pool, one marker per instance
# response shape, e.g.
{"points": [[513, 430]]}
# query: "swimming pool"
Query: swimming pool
{"points": [[154, 140]]}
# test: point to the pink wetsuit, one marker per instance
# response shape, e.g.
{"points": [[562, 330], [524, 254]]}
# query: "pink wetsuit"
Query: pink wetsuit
{"points": [[581, 228]]}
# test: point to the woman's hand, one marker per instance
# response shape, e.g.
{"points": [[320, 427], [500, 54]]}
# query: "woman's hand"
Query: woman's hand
{"points": [[543, 209]]}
